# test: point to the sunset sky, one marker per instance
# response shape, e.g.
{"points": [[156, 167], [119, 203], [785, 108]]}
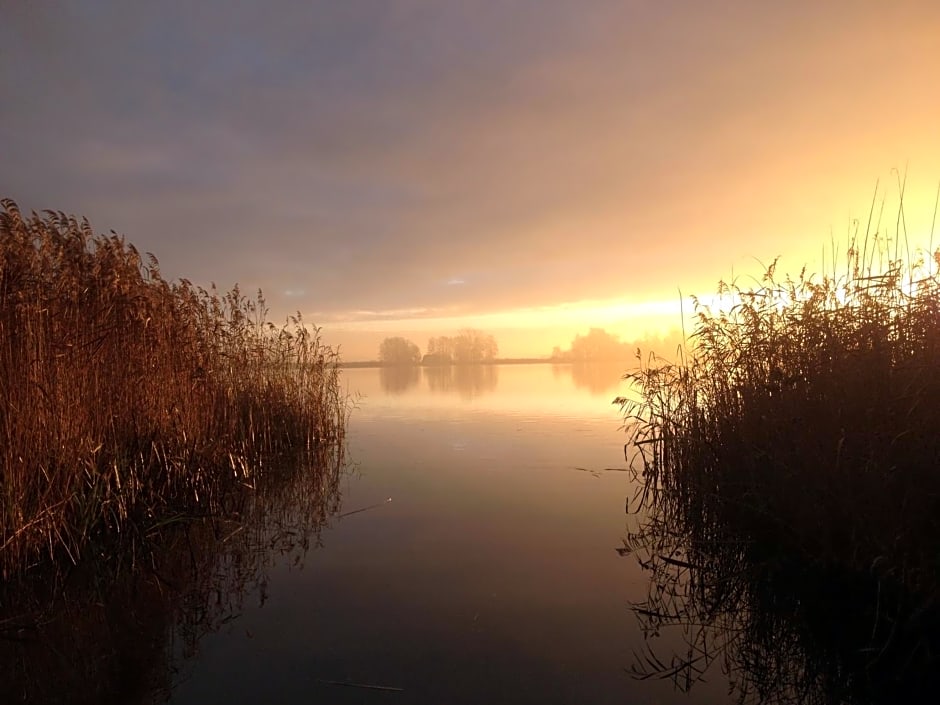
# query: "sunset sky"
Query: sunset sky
{"points": [[530, 168]]}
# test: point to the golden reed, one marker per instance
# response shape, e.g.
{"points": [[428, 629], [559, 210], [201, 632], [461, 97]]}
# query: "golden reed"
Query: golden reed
{"points": [[123, 395]]}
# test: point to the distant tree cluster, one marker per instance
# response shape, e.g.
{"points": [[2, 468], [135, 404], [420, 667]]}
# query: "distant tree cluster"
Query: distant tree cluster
{"points": [[599, 346], [399, 351], [469, 346]]}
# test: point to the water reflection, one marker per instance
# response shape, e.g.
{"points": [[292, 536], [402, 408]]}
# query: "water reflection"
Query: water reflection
{"points": [[399, 379], [122, 626], [598, 378], [734, 592], [601, 380], [469, 381]]}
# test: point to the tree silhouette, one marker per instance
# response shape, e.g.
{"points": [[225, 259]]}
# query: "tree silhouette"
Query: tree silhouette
{"points": [[598, 344], [399, 351], [469, 346]]}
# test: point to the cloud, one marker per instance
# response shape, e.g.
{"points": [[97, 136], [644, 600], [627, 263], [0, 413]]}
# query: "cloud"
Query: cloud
{"points": [[350, 156]]}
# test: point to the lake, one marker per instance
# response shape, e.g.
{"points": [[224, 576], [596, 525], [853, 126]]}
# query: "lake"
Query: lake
{"points": [[482, 569], [464, 551]]}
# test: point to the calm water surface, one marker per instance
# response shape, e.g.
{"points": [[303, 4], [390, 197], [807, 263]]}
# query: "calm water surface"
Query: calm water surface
{"points": [[490, 577]]}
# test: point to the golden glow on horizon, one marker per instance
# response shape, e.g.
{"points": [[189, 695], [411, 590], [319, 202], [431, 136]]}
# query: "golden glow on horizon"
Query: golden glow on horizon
{"points": [[535, 330], [521, 332], [629, 320]]}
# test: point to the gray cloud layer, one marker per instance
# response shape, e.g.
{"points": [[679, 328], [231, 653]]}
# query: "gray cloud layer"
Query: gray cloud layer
{"points": [[369, 155]]}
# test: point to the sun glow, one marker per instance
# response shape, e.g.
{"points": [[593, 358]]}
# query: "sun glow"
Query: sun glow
{"points": [[531, 331], [896, 222]]}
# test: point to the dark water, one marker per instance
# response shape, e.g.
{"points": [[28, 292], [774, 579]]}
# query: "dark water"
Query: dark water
{"points": [[491, 576], [472, 546]]}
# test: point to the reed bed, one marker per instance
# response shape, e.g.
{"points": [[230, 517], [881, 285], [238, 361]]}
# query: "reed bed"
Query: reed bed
{"points": [[790, 494], [813, 407], [124, 396]]}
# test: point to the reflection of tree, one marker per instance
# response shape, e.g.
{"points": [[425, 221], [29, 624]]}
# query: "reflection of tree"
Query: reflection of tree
{"points": [[597, 377], [738, 587], [468, 381], [118, 627], [399, 379]]}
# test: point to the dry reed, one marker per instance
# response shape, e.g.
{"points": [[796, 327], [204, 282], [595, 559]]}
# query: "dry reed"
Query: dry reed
{"points": [[807, 400], [124, 395], [790, 494]]}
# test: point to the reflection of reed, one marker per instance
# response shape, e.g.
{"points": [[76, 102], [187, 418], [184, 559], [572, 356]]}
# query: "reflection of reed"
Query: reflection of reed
{"points": [[398, 379], [118, 628], [469, 381], [786, 629]]}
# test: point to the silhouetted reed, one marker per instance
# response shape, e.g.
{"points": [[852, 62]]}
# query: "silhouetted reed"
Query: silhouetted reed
{"points": [[123, 395], [790, 498]]}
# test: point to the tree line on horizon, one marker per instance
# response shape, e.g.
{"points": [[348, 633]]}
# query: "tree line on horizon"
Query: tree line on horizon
{"points": [[472, 346], [469, 346], [599, 345]]}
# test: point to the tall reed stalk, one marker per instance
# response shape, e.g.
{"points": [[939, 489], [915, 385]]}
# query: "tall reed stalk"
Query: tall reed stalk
{"points": [[806, 400], [789, 510], [123, 394]]}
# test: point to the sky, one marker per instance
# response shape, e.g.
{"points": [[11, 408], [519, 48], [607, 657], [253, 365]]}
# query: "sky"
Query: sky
{"points": [[531, 168]]}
